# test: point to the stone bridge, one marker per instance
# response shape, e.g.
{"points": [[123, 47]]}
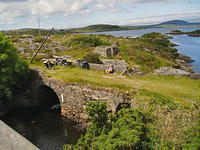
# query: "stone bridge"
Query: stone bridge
{"points": [[73, 98]]}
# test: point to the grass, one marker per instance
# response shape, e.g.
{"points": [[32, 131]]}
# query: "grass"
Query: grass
{"points": [[136, 51], [180, 89]]}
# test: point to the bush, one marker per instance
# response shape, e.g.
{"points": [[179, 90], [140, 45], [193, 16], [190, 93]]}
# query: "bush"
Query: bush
{"points": [[92, 58], [125, 130], [157, 39], [13, 71], [85, 40]]}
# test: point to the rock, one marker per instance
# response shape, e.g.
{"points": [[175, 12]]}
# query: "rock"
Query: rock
{"points": [[195, 76], [185, 58], [84, 116], [60, 48], [106, 51], [173, 72], [21, 50]]}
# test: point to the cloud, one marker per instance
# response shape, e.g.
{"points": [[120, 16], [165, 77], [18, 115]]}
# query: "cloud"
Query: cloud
{"points": [[51, 7], [159, 19], [12, 9], [9, 11], [10, 1]]}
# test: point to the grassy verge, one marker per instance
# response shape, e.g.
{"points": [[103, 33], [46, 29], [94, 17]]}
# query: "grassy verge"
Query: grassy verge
{"points": [[180, 89]]}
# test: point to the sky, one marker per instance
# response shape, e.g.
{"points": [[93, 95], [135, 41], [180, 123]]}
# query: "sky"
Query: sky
{"points": [[16, 14]]}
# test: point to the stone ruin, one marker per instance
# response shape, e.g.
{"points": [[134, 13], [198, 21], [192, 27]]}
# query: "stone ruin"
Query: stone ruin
{"points": [[106, 51], [119, 65]]}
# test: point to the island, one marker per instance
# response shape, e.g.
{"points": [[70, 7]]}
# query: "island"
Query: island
{"points": [[195, 33]]}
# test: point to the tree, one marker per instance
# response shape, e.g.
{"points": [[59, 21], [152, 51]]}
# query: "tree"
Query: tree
{"points": [[13, 71]]}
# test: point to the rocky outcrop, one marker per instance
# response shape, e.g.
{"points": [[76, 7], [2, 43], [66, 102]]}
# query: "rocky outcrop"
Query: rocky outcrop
{"points": [[173, 72]]}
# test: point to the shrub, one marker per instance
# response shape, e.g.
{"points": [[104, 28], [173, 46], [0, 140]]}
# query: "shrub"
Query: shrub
{"points": [[13, 71], [92, 58], [85, 40], [125, 130]]}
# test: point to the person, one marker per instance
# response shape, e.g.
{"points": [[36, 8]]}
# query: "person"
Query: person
{"points": [[51, 63], [110, 69], [85, 65], [46, 64], [69, 62], [64, 62], [57, 61], [79, 61]]}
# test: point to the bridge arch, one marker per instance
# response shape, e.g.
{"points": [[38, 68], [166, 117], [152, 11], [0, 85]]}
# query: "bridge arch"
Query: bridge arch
{"points": [[48, 98]]}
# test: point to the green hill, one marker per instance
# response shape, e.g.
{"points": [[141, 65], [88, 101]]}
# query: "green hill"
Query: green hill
{"points": [[99, 28]]}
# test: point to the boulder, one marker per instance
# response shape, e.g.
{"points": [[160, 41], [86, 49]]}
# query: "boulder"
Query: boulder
{"points": [[173, 72], [60, 48]]}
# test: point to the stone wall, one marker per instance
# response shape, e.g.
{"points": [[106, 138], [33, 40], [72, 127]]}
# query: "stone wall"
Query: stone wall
{"points": [[11, 140], [106, 51], [74, 98]]}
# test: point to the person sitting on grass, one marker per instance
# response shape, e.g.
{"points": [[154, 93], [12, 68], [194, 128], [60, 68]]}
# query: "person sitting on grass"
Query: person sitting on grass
{"points": [[110, 70], [46, 64]]}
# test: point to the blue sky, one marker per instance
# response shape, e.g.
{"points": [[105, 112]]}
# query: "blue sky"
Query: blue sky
{"points": [[15, 14]]}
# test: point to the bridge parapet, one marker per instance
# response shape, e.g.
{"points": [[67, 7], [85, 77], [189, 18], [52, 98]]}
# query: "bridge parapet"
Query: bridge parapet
{"points": [[11, 140]]}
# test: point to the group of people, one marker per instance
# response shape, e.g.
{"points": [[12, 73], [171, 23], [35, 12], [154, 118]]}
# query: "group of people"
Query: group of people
{"points": [[65, 62], [82, 64], [49, 64]]}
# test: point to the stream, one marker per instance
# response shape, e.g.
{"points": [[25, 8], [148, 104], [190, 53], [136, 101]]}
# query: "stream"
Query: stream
{"points": [[45, 129]]}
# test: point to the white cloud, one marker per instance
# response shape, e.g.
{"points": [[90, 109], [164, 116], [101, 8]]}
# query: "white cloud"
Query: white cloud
{"points": [[10, 9], [52, 7], [159, 19]]}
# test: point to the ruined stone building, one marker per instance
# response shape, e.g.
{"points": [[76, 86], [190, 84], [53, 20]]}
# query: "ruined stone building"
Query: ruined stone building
{"points": [[106, 51]]}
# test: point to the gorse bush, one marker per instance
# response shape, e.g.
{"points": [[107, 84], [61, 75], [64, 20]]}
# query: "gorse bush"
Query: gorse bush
{"points": [[136, 129], [127, 129], [85, 41], [13, 71]]}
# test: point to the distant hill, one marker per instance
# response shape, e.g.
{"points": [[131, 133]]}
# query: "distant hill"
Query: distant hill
{"points": [[99, 28], [108, 27], [178, 23], [103, 27]]}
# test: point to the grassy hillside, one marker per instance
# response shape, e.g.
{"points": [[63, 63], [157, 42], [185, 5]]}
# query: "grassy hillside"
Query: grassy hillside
{"points": [[149, 52], [169, 104], [172, 103]]}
